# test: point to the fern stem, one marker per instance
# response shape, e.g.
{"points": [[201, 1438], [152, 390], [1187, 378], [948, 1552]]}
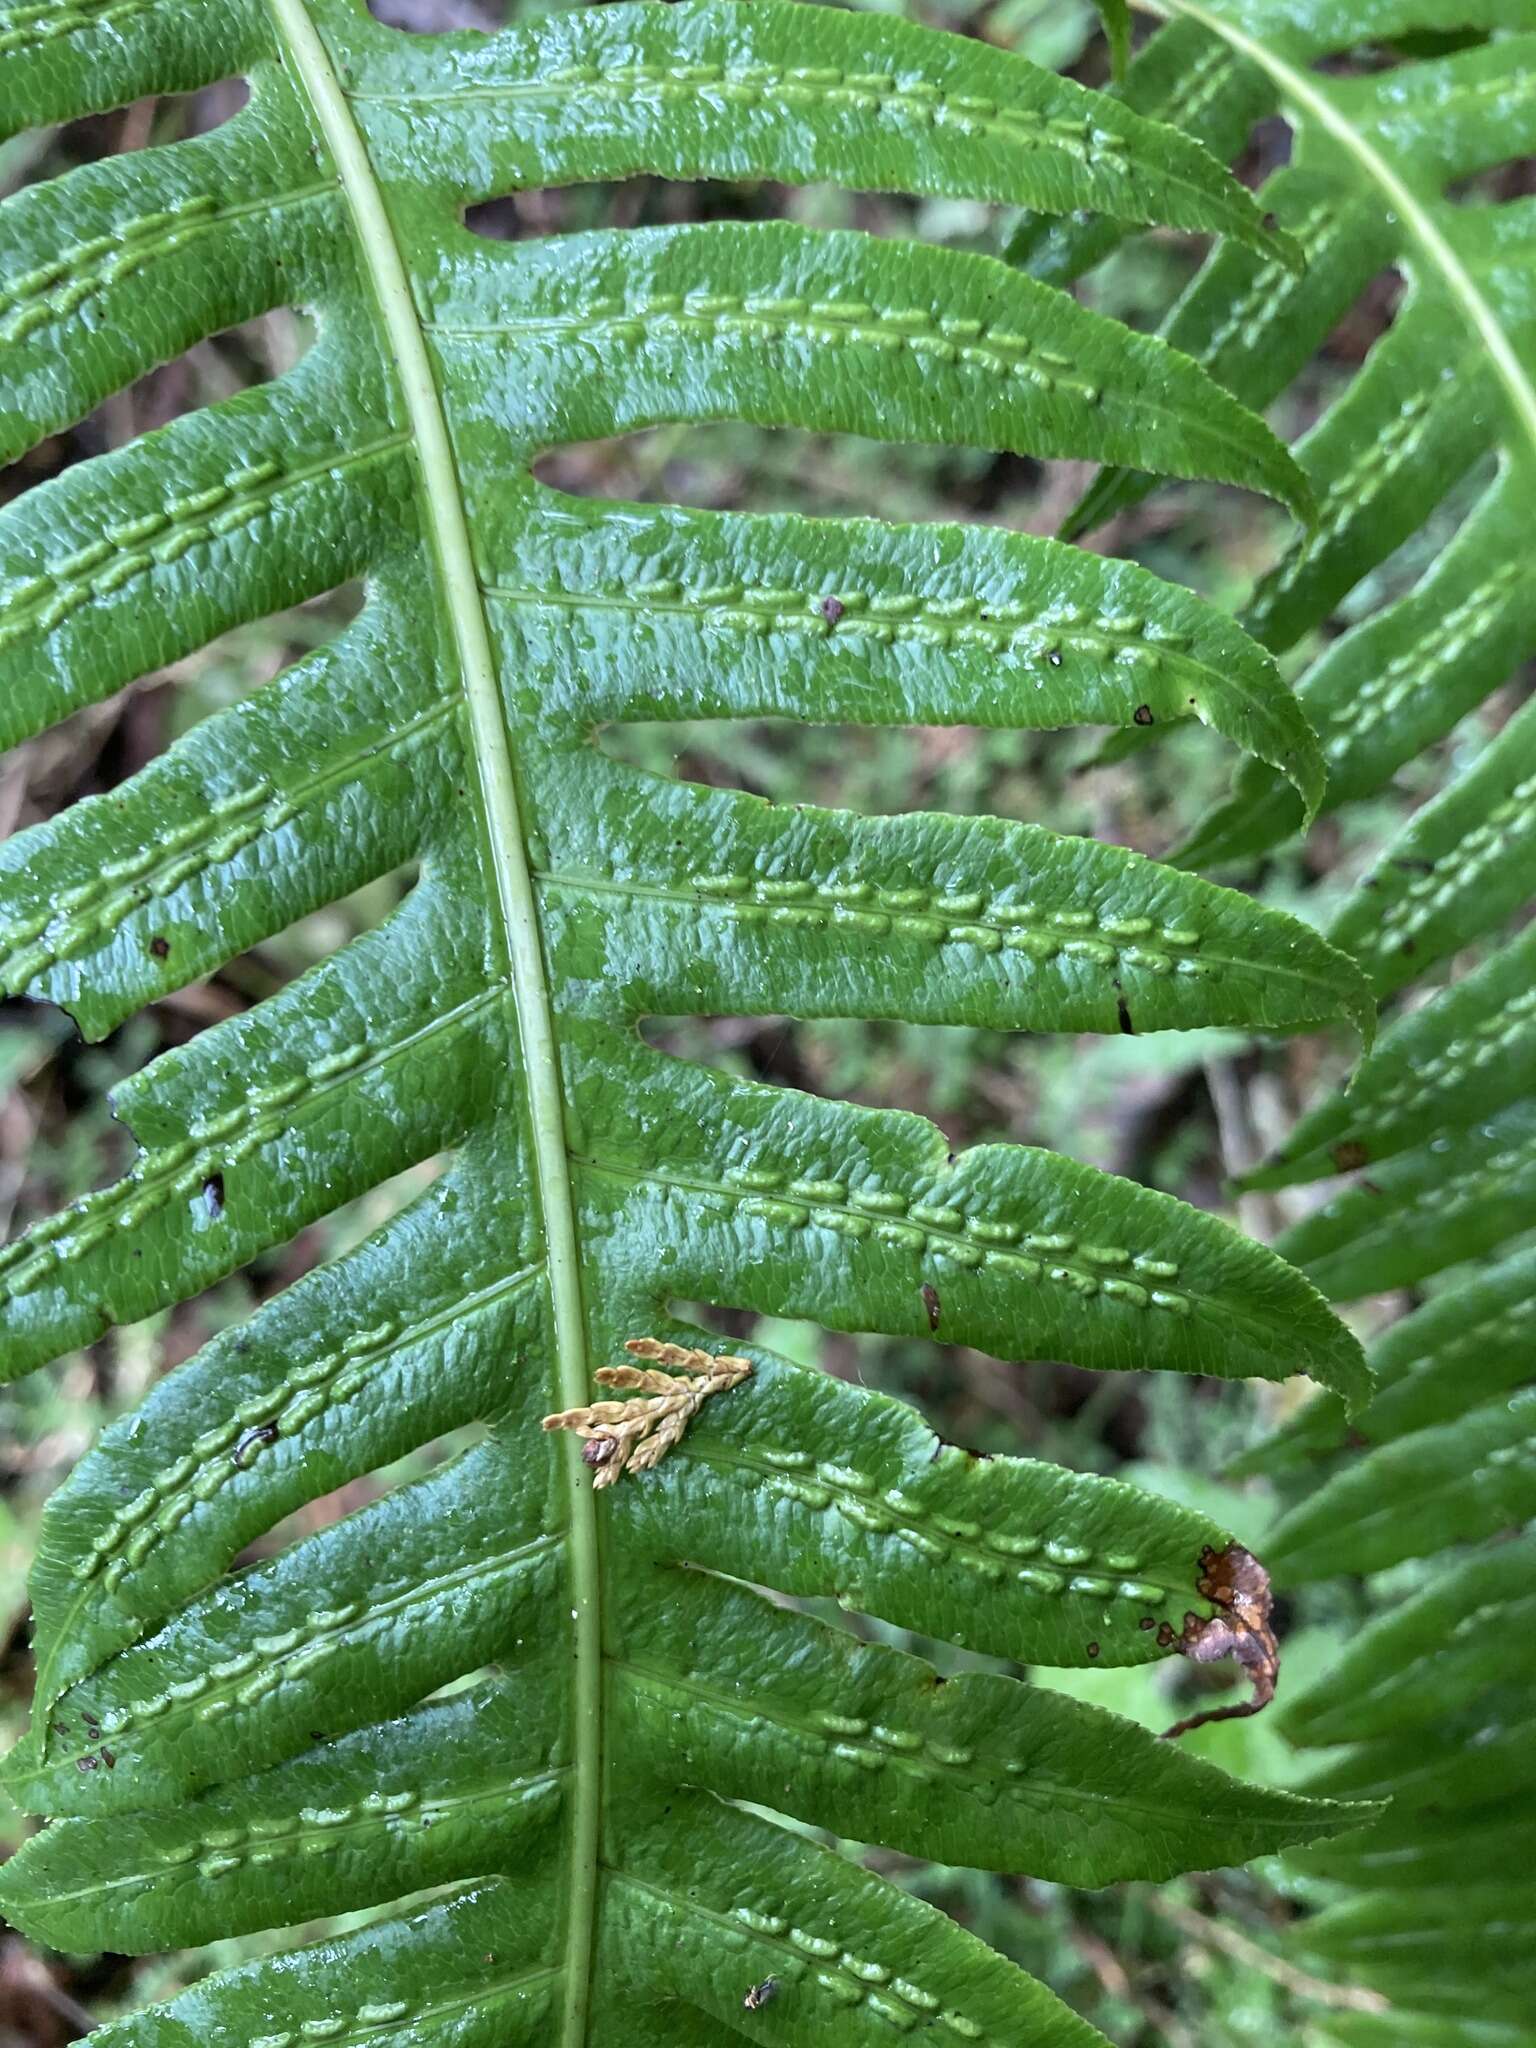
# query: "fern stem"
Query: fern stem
{"points": [[307, 58]]}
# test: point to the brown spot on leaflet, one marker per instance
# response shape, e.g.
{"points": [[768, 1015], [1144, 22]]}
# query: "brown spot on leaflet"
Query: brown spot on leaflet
{"points": [[1142, 715], [931, 1304], [1349, 1155], [1238, 1585], [159, 946], [1093, 1649], [831, 609]]}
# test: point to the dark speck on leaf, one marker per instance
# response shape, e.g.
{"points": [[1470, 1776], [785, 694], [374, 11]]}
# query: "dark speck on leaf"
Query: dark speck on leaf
{"points": [[213, 1195], [109, 1758], [1054, 657], [1350, 1155], [87, 1763], [1143, 714], [832, 609], [263, 1433], [1148, 1621], [1123, 1012], [1093, 1649], [931, 1304], [159, 946]]}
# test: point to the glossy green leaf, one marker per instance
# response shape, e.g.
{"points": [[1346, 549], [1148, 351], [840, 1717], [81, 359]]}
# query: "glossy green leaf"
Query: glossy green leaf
{"points": [[1430, 449], [1467, 1343], [235, 1749], [1464, 1759], [1455, 1198], [1452, 1484], [1407, 1849], [1183, 76], [1459, 868], [726, 89], [1465, 1054], [1468, 1629], [1379, 155], [1412, 1945], [1399, 681], [706, 1683]]}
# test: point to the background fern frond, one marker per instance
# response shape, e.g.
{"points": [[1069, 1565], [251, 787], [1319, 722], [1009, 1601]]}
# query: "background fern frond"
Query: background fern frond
{"points": [[1411, 159]]}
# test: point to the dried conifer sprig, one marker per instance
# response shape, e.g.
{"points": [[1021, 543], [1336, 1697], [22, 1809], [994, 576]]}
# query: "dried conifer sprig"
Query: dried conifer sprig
{"points": [[637, 1434]]}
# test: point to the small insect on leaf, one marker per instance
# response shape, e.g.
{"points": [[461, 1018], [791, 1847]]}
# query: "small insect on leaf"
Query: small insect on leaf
{"points": [[761, 1994]]}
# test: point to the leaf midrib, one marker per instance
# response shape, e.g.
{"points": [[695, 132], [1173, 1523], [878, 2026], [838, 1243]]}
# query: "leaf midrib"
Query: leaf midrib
{"points": [[305, 55]]}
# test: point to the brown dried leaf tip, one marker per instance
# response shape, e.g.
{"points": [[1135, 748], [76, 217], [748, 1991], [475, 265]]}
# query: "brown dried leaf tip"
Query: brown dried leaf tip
{"points": [[1239, 1585], [636, 1435]]}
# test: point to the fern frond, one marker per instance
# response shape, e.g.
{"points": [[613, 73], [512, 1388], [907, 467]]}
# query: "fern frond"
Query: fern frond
{"points": [[1468, 1342], [237, 1751], [1451, 383], [1433, 1704]]}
